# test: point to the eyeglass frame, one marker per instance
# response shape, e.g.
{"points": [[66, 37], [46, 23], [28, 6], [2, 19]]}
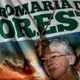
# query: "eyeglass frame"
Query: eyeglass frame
{"points": [[55, 58]]}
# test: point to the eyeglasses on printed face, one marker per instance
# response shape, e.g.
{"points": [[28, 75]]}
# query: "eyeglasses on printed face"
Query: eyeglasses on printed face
{"points": [[52, 58]]}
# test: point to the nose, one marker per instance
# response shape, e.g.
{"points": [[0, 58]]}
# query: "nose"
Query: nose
{"points": [[49, 62]]}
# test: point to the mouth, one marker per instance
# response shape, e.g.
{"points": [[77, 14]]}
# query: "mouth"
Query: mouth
{"points": [[52, 69]]}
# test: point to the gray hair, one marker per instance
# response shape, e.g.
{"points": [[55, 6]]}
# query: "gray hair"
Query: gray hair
{"points": [[61, 43]]}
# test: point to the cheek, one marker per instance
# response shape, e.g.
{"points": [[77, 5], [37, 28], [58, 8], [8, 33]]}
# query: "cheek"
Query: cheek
{"points": [[46, 69], [64, 64]]}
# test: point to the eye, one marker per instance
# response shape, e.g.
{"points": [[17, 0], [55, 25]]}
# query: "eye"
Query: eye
{"points": [[43, 60], [54, 57]]}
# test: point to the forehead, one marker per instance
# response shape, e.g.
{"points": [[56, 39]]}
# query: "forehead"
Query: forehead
{"points": [[52, 51]]}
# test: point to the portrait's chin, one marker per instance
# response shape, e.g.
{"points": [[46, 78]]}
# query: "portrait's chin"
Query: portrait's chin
{"points": [[54, 74]]}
